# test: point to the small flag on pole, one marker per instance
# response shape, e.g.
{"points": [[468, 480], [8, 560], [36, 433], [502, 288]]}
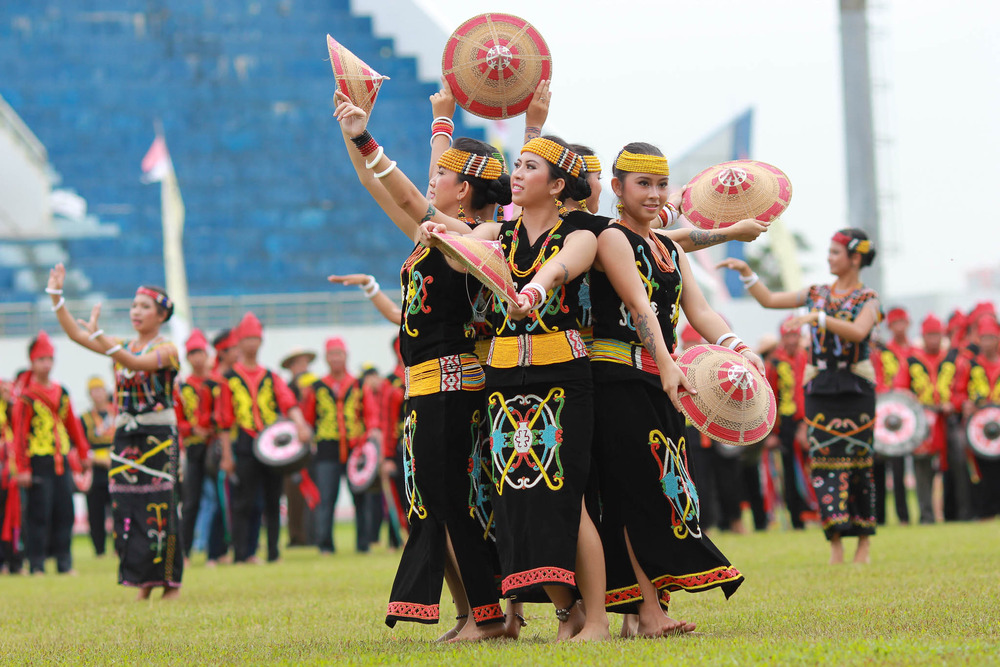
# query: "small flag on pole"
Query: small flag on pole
{"points": [[156, 164]]}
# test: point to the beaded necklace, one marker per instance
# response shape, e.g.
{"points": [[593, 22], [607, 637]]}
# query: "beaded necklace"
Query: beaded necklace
{"points": [[539, 259], [666, 264]]}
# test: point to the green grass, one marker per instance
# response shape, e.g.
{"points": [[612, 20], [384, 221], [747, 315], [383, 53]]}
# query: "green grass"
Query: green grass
{"points": [[930, 596]]}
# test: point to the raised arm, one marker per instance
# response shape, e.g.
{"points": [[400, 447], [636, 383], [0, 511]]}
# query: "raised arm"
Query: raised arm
{"points": [[353, 123], [443, 125], [855, 331], [389, 309], [616, 256], [538, 111], [691, 239], [759, 290]]}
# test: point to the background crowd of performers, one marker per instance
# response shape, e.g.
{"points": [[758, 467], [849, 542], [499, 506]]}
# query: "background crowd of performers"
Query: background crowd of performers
{"points": [[173, 452]]}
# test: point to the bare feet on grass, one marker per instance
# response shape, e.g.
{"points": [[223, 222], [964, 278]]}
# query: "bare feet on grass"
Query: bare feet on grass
{"points": [[573, 624], [171, 593], [514, 620], [836, 550], [862, 555], [476, 633], [144, 593], [451, 634], [630, 625]]}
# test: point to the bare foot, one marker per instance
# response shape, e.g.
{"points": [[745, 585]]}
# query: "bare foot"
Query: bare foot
{"points": [[592, 632], [836, 551], [475, 633], [144, 593], [211, 563], [514, 620], [171, 593], [662, 626], [460, 622], [630, 625], [573, 625], [862, 555]]}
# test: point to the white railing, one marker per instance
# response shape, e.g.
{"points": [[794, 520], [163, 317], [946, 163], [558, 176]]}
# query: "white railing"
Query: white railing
{"points": [[210, 313]]}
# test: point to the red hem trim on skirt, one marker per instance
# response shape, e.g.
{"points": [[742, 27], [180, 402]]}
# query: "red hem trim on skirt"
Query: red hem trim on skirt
{"points": [[699, 581], [411, 611], [489, 613], [540, 576]]}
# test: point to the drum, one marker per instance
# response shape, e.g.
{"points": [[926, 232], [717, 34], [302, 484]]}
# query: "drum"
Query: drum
{"points": [[362, 466], [983, 432], [900, 423], [278, 446]]}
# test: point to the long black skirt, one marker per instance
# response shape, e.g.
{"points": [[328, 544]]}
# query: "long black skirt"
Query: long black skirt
{"points": [[841, 428], [145, 507], [540, 446], [440, 434], [647, 493]]}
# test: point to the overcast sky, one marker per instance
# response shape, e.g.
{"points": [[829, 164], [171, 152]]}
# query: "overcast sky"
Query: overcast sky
{"points": [[670, 72]]}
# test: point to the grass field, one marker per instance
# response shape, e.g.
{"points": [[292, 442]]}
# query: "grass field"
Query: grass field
{"points": [[930, 596]]}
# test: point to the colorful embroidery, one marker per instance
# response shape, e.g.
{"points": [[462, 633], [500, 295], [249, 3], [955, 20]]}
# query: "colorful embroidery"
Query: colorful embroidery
{"points": [[414, 611], [415, 289], [541, 575], [526, 435], [413, 498], [480, 476], [159, 529], [489, 612], [676, 483], [699, 581], [631, 594], [839, 429]]}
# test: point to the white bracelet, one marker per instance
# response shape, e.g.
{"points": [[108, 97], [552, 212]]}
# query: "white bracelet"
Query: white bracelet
{"points": [[59, 304], [537, 289], [116, 348], [368, 283], [444, 119], [672, 213], [95, 334], [370, 290], [388, 170], [442, 134], [724, 337], [378, 156], [749, 281], [57, 292], [734, 343], [821, 320]]}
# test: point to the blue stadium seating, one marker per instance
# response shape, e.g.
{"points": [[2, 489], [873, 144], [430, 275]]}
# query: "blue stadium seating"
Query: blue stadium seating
{"points": [[243, 89]]}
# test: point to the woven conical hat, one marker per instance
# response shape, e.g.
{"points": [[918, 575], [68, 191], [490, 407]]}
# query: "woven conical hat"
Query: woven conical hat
{"points": [[900, 423], [354, 78], [734, 404], [484, 259], [732, 191], [984, 432], [493, 63]]}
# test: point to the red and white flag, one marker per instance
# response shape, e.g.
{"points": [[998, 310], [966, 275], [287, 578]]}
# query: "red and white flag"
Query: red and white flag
{"points": [[156, 164]]}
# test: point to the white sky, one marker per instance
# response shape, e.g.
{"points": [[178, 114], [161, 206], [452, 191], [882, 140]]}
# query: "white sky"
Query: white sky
{"points": [[670, 72]]}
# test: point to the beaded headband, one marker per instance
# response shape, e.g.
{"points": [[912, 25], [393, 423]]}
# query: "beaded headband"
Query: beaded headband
{"points": [[561, 157], [498, 156], [162, 299], [591, 164], [853, 245], [470, 164], [634, 163]]}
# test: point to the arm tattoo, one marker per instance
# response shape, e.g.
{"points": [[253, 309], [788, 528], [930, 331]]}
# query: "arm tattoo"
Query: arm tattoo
{"points": [[706, 238], [565, 276], [645, 334], [530, 132], [430, 213]]}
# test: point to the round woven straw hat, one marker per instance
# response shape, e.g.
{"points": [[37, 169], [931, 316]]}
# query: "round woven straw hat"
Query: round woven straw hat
{"points": [[900, 423], [734, 404], [732, 191], [493, 63], [984, 432], [354, 78], [484, 259]]}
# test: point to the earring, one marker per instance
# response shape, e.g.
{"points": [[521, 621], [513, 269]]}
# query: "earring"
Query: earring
{"points": [[583, 205], [562, 209], [621, 209], [461, 212]]}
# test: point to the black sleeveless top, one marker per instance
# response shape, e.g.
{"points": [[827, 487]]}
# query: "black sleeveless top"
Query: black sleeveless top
{"points": [[612, 319], [437, 308]]}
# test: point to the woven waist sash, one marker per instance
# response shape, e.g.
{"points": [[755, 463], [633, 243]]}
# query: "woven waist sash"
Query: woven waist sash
{"points": [[456, 372], [863, 369], [159, 418], [536, 350], [620, 352], [483, 350]]}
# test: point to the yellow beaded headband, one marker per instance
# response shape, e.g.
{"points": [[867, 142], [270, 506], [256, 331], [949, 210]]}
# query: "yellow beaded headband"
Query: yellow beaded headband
{"points": [[552, 152], [591, 164], [470, 164], [633, 163]]}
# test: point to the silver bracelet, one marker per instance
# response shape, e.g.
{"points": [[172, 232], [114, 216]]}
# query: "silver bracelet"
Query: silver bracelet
{"points": [[388, 170], [94, 335], [750, 281], [116, 348], [821, 320], [59, 304], [370, 289], [378, 156], [735, 342], [724, 337], [50, 290], [537, 289]]}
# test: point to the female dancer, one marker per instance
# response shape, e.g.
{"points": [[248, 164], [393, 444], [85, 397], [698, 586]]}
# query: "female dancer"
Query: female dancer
{"points": [[539, 378], [639, 282], [840, 386], [444, 391], [142, 478]]}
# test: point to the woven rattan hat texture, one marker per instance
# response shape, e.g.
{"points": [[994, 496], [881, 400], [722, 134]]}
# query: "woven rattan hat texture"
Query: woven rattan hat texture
{"points": [[354, 78], [900, 423], [493, 63], [734, 404], [484, 259], [984, 431], [732, 191]]}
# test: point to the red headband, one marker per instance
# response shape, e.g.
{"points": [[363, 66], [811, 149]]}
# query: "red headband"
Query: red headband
{"points": [[42, 348], [161, 299], [861, 246]]}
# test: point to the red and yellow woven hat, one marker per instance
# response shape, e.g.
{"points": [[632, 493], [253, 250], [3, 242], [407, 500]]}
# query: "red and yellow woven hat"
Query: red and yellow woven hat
{"points": [[732, 191], [734, 404], [493, 63], [484, 259], [354, 78]]}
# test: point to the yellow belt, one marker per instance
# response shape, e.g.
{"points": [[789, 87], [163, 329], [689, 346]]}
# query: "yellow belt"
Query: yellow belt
{"points": [[483, 350], [456, 372], [536, 350]]}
